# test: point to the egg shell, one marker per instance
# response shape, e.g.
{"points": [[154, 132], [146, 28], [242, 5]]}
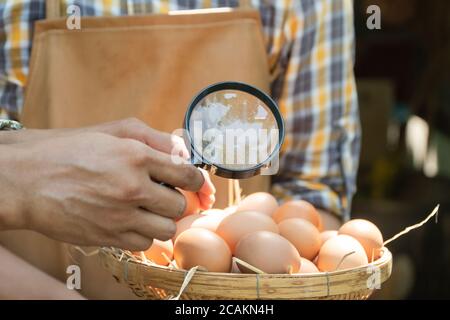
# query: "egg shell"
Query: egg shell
{"points": [[320, 227], [185, 223], [303, 235], [297, 209], [230, 209], [325, 235], [202, 247], [260, 201], [192, 203], [307, 267], [154, 253], [332, 253], [268, 252], [214, 212], [367, 234], [237, 225], [210, 219]]}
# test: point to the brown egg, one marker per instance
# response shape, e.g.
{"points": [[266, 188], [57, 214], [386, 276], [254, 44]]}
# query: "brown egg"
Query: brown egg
{"points": [[320, 226], [201, 247], [210, 219], [303, 235], [260, 201], [214, 212], [325, 235], [237, 225], [192, 203], [230, 209], [185, 223], [307, 267], [268, 252], [367, 234], [341, 252], [154, 253], [297, 209]]}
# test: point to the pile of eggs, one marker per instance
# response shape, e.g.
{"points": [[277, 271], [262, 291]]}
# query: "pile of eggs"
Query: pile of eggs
{"points": [[270, 238]]}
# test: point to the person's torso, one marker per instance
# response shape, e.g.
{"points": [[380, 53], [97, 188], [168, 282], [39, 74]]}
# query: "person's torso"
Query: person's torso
{"points": [[146, 67]]}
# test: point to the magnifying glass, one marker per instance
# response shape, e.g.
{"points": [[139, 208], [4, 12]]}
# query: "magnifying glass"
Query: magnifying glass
{"points": [[234, 130]]}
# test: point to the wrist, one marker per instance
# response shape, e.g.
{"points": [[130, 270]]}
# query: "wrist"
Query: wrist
{"points": [[9, 137], [20, 136], [12, 197]]}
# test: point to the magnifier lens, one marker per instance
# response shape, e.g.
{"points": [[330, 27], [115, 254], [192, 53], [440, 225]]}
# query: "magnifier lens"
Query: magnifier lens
{"points": [[233, 129]]}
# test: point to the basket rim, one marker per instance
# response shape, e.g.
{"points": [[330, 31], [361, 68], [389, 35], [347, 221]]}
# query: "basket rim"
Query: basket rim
{"points": [[385, 259], [145, 276]]}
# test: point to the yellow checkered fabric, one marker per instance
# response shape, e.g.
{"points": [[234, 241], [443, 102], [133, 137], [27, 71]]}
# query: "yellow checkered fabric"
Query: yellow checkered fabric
{"points": [[310, 44]]}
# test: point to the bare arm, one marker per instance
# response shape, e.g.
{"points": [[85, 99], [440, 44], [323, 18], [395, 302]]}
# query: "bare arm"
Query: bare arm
{"points": [[20, 280], [130, 128], [93, 188]]}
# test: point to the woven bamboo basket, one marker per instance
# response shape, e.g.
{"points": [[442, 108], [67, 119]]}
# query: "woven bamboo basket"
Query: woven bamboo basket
{"points": [[156, 282]]}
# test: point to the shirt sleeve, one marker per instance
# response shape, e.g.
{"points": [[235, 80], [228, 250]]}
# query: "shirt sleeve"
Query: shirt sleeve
{"points": [[317, 95], [16, 29]]}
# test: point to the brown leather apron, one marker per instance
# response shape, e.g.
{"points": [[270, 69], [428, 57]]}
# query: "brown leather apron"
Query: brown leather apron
{"points": [[148, 67]]}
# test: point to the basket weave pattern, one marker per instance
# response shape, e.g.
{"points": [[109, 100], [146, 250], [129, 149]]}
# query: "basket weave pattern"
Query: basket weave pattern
{"points": [[156, 282]]}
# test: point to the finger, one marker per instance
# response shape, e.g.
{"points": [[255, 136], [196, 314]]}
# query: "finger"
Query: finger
{"points": [[163, 141], [166, 168], [153, 226], [136, 129], [163, 200], [134, 242], [171, 144]]}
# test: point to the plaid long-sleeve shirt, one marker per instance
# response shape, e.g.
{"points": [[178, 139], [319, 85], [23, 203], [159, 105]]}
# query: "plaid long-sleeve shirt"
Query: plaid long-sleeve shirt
{"points": [[309, 42]]}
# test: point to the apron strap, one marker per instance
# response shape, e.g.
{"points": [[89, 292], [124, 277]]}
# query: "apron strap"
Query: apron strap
{"points": [[52, 9]]}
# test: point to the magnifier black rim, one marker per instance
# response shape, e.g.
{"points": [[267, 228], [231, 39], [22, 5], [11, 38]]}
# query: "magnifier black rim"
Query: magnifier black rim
{"points": [[240, 86]]}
